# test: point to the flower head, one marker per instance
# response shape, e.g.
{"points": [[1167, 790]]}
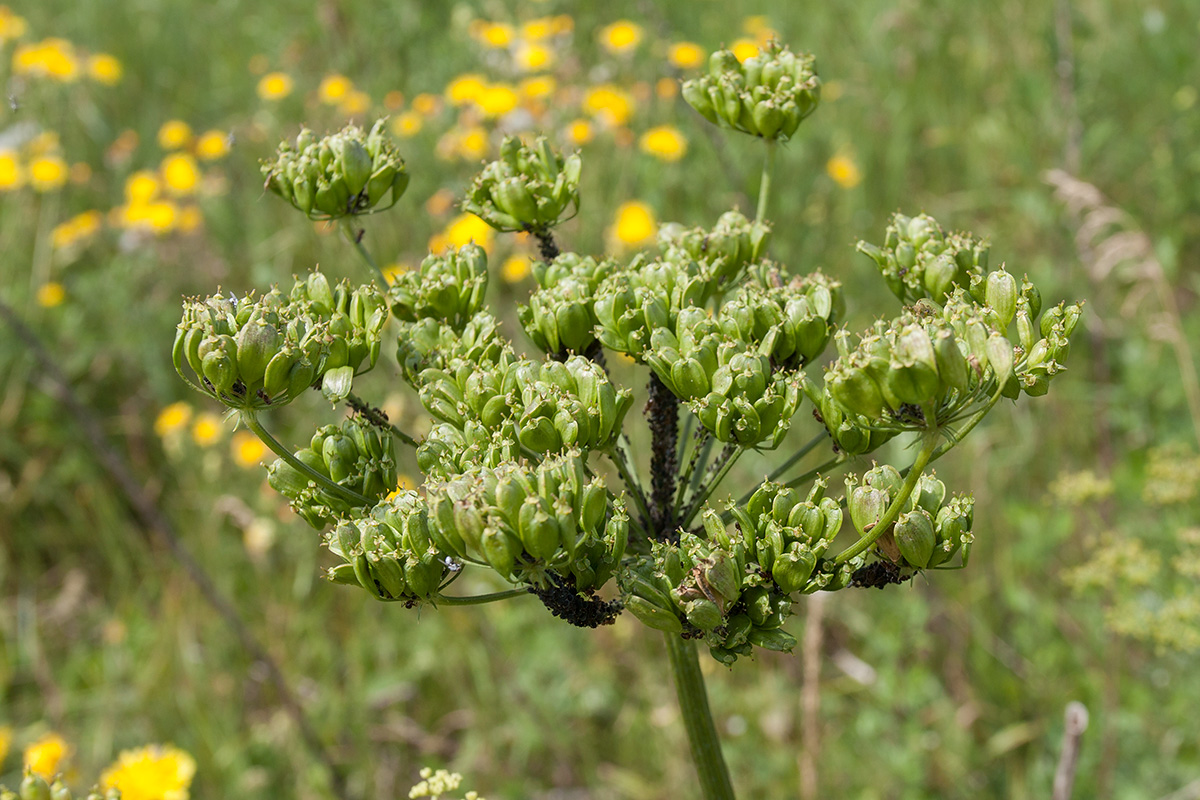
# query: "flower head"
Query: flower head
{"points": [[46, 755], [634, 224], [174, 134], [275, 86], [686, 55], [664, 142], [47, 173], [248, 449], [212, 145], [844, 171], [104, 68], [620, 37], [333, 88], [173, 418], [157, 772]]}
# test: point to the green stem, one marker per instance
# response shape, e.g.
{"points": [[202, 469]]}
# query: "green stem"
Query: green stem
{"points": [[617, 456], [479, 599], [706, 492], [764, 186], [685, 479], [355, 237], [349, 495], [698, 721], [928, 446], [814, 472]]}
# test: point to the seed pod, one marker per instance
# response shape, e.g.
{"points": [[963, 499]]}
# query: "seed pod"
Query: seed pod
{"points": [[867, 507], [776, 639], [703, 613], [1001, 294], [653, 616], [915, 537], [34, 787], [793, 568], [499, 551]]}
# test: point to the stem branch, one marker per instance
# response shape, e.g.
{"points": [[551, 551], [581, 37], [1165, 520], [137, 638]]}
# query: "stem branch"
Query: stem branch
{"points": [[251, 420], [479, 599], [356, 237], [764, 186]]}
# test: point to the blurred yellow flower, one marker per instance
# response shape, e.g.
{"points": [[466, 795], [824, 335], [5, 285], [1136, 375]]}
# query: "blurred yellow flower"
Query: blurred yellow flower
{"points": [[537, 29], [172, 419], [467, 228], [538, 87], [393, 271], [212, 145], [11, 27], [206, 430], [580, 132], [248, 449], [46, 755], [844, 171], [563, 23], [6, 732], [515, 269], [497, 100], [11, 175], [426, 104], [664, 142], [532, 56], [492, 34], [608, 103], [142, 186], [51, 294], [75, 229], [104, 68], [620, 37], [157, 772], [356, 102], [180, 173], [50, 58], [473, 144], [634, 224], [744, 49], [465, 89], [407, 124], [333, 88], [666, 88], [686, 55], [439, 202], [274, 86], [47, 173], [393, 100]]}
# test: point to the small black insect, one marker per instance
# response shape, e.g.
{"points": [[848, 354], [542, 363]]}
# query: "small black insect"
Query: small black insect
{"points": [[877, 575]]}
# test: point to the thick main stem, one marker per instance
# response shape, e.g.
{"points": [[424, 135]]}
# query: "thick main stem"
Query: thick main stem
{"points": [[698, 721]]}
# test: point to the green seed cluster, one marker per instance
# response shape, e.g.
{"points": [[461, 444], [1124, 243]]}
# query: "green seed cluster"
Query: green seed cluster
{"points": [[528, 521], [251, 353], [35, 787], [768, 96], [530, 188], [391, 553], [733, 588], [930, 529], [725, 251], [354, 455], [560, 317], [919, 260], [344, 174], [450, 288]]}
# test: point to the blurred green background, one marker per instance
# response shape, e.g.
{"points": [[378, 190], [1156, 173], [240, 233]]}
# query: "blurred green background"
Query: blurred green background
{"points": [[1083, 582]]}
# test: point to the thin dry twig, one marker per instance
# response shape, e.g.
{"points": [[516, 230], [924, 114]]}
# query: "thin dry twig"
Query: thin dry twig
{"points": [[1076, 723]]}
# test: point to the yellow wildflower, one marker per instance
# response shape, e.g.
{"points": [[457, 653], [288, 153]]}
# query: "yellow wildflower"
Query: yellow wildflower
{"points": [[495, 35], [51, 294], [465, 89], [744, 49], [104, 68], [11, 175], [686, 55], [275, 86], [515, 269], [664, 142], [206, 430], [50, 58], [393, 100], [11, 27], [172, 419], [393, 271], [47, 173], [6, 732], [634, 224], [248, 449], [212, 145], [535, 30], [620, 37], [356, 102], [497, 100], [407, 124], [532, 56], [426, 104], [538, 87], [180, 173], [844, 171], [473, 144], [333, 88], [467, 228], [157, 772], [142, 186], [174, 134], [45, 756], [580, 132], [77, 228], [608, 103]]}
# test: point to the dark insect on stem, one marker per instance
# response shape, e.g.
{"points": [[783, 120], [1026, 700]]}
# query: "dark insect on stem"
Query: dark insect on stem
{"points": [[586, 610], [877, 575]]}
